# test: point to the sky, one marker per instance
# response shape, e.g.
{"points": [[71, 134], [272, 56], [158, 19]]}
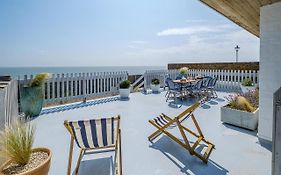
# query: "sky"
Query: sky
{"points": [[118, 33]]}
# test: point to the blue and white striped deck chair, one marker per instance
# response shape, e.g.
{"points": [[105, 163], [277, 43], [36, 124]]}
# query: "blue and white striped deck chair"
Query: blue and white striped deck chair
{"points": [[164, 122], [104, 133]]}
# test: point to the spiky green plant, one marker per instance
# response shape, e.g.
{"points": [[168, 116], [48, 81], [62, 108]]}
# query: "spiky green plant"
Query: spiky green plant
{"points": [[125, 84], [16, 142], [39, 79], [155, 81]]}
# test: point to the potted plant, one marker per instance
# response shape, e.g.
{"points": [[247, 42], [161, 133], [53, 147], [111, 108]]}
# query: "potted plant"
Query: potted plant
{"points": [[247, 85], [32, 95], [182, 73], [155, 85], [124, 89], [242, 110], [16, 146]]}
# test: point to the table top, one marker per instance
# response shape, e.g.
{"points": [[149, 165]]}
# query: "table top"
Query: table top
{"points": [[185, 81]]}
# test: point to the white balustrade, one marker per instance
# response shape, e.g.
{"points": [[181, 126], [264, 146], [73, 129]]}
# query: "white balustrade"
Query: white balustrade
{"points": [[61, 88], [228, 80]]}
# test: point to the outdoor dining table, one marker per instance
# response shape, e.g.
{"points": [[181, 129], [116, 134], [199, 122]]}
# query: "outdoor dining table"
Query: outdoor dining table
{"points": [[184, 84]]}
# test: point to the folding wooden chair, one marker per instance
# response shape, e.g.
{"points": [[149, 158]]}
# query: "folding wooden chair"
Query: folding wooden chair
{"points": [[95, 134], [163, 122]]}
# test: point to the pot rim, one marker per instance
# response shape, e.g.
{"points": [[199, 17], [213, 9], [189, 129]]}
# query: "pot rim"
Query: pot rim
{"points": [[225, 106], [47, 150]]}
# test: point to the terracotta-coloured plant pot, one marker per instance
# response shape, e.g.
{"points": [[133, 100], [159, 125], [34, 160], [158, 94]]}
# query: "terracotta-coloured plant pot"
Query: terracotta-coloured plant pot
{"points": [[42, 169]]}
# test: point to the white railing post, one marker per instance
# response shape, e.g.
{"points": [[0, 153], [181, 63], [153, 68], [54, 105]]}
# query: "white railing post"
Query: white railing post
{"points": [[48, 97], [58, 87], [62, 87]]}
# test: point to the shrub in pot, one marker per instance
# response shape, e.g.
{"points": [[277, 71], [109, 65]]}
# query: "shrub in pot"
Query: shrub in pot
{"points": [[124, 89], [155, 85], [32, 95], [16, 146], [182, 73], [242, 110], [247, 85]]}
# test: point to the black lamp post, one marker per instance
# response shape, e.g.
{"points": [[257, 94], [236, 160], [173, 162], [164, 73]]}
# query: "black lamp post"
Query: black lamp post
{"points": [[237, 49]]}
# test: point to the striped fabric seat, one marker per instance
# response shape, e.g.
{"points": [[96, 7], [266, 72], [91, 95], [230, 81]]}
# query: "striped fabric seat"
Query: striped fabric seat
{"points": [[94, 133], [161, 121]]}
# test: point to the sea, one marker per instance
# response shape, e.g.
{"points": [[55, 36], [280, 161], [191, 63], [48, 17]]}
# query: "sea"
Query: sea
{"points": [[15, 72]]}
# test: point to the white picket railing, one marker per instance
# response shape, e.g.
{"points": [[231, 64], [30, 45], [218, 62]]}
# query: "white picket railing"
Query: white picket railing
{"points": [[228, 80], [159, 74], [60, 88], [8, 103]]}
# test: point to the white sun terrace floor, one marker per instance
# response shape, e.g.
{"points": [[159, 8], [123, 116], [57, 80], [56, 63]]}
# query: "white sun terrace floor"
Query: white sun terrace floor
{"points": [[238, 151]]}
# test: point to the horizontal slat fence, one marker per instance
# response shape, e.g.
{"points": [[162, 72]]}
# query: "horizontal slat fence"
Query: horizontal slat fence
{"points": [[62, 88], [228, 80]]}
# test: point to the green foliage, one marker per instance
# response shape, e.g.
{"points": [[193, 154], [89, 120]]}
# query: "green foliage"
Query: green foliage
{"points": [[183, 70], [125, 84], [241, 103], [39, 79], [155, 81], [16, 142], [247, 82]]}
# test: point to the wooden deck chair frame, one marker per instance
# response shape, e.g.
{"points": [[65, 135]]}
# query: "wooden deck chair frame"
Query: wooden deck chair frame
{"points": [[116, 147], [186, 144]]}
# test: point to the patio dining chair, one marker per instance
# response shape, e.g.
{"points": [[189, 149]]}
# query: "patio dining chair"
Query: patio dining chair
{"points": [[173, 90], [196, 89], [96, 134], [163, 123], [206, 82], [211, 88]]}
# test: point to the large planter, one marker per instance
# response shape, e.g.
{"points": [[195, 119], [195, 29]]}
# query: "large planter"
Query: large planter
{"points": [[124, 93], [42, 169], [31, 100], [244, 119], [155, 87], [246, 89]]}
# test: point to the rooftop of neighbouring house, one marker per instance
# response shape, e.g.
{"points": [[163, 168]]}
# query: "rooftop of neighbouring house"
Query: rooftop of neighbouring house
{"points": [[238, 151]]}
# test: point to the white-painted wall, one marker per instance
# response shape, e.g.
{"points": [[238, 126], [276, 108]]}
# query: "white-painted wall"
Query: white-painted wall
{"points": [[270, 65]]}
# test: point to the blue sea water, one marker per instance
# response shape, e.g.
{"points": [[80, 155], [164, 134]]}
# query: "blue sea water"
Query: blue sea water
{"points": [[21, 71]]}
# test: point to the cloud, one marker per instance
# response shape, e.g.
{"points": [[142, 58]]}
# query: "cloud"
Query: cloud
{"points": [[194, 30], [207, 48]]}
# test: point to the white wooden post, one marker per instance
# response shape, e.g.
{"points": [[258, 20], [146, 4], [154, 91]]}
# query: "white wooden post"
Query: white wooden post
{"points": [[71, 85], [95, 83], [84, 86], [62, 87], [67, 87], [48, 90], [58, 87]]}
